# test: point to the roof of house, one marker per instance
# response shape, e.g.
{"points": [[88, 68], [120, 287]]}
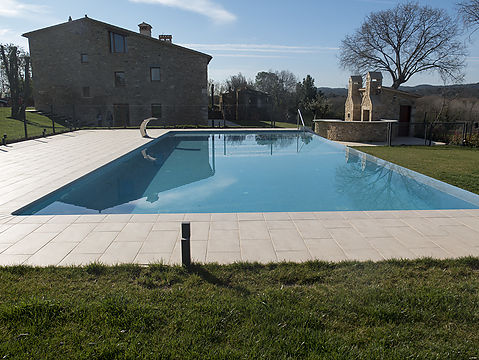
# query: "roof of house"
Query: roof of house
{"points": [[119, 29]]}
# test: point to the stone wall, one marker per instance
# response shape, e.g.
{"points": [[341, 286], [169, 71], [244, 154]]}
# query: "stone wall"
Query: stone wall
{"points": [[59, 75], [356, 131]]}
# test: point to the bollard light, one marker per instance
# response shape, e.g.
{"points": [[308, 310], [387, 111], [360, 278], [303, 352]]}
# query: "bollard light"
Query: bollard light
{"points": [[4, 140], [185, 244]]}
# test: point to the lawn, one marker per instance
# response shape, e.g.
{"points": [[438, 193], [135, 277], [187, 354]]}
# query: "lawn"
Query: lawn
{"points": [[15, 129], [455, 165], [423, 309]]}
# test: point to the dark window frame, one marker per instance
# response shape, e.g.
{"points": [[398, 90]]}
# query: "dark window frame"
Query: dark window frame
{"points": [[85, 92], [113, 44], [151, 73], [153, 114], [119, 82], [82, 58]]}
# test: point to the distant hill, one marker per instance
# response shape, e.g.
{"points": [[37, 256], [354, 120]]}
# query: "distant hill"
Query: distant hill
{"points": [[453, 91]]}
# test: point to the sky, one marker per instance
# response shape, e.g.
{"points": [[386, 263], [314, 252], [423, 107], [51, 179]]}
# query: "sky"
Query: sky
{"points": [[246, 36]]}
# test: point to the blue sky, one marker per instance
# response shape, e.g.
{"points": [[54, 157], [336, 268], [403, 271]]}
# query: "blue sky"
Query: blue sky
{"points": [[244, 36]]}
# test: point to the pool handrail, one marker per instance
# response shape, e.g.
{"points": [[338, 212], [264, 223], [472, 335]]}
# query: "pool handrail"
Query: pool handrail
{"points": [[300, 116]]}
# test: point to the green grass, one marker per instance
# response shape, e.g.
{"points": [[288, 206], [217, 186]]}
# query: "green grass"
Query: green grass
{"points": [[15, 129], [455, 165], [424, 309]]}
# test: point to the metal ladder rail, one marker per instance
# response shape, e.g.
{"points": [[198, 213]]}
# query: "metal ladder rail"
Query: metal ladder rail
{"points": [[300, 117]]}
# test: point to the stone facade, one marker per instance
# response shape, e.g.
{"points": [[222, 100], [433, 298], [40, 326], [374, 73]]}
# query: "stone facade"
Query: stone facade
{"points": [[376, 102], [100, 74], [246, 105], [367, 131]]}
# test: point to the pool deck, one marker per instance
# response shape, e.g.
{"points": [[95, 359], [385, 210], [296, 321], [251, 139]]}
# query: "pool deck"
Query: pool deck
{"points": [[32, 169]]}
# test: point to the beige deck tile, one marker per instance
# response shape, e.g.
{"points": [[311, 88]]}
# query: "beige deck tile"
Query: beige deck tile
{"points": [[36, 219], [74, 233], [90, 218], [4, 247], [369, 227], [17, 232], [160, 242], [144, 218], [363, 254], [471, 222], [312, 229], [171, 217], [382, 214], [432, 213], [197, 217], [63, 219], [302, 215], [224, 241], [167, 225], [10, 260], [200, 231], [117, 218], [198, 251], [325, 250], [355, 215], [79, 259], [390, 223], [287, 240], [405, 214], [250, 216], [134, 232], [253, 230], [333, 224], [51, 254], [19, 219], [224, 217], [464, 233], [280, 224], [57, 228], [4, 227], [257, 251], [95, 243], [410, 238], [153, 258], [329, 215], [445, 221], [349, 238], [456, 247], [434, 252], [224, 225], [473, 212], [294, 256], [275, 216], [109, 226], [426, 227], [223, 257], [30, 244], [120, 252]]}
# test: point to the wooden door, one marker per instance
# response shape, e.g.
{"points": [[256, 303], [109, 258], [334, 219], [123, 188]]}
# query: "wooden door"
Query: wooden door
{"points": [[121, 115], [404, 120]]}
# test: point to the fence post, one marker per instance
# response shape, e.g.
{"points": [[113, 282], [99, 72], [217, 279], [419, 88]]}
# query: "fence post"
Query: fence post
{"points": [[185, 244], [25, 124]]}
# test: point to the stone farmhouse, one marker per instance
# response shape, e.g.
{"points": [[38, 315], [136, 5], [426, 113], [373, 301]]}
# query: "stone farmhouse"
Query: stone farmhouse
{"points": [[376, 102], [100, 74]]}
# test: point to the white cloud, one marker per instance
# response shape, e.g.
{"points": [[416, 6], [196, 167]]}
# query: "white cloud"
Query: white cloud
{"points": [[14, 8], [204, 7], [260, 48]]}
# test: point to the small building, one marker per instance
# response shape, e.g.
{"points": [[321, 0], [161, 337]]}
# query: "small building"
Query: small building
{"points": [[376, 102], [246, 106], [100, 74]]}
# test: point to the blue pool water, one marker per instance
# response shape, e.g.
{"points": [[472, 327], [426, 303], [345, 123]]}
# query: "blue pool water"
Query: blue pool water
{"points": [[187, 172]]}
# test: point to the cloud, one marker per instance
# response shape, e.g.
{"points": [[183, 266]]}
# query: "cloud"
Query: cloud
{"points": [[204, 7], [14, 8], [261, 48]]}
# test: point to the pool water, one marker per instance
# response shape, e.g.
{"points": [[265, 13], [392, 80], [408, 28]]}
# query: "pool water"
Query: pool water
{"points": [[264, 171]]}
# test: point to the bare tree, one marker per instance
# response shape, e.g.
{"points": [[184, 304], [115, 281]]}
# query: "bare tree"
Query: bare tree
{"points": [[469, 10], [404, 41]]}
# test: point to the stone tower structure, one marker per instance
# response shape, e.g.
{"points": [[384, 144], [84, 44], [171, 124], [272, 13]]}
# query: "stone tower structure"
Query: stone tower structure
{"points": [[352, 111], [371, 99]]}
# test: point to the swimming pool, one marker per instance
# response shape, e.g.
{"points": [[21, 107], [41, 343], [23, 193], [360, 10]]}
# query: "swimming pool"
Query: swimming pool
{"points": [[238, 171]]}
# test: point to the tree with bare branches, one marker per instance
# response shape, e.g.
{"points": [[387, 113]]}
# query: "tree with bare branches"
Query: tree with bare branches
{"points": [[469, 10], [404, 41]]}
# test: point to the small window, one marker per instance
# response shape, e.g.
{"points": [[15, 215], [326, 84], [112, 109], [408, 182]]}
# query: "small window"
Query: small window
{"points": [[156, 110], [120, 79], [117, 43], [155, 74], [86, 91], [84, 58]]}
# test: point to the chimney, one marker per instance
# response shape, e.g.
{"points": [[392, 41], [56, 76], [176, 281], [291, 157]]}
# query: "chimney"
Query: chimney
{"points": [[167, 38], [145, 29]]}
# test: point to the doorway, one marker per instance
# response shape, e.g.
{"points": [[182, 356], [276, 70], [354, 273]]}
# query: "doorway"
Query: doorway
{"points": [[404, 120], [365, 115], [121, 115]]}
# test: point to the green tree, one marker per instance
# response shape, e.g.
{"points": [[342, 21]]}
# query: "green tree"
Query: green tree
{"points": [[310, 99]]}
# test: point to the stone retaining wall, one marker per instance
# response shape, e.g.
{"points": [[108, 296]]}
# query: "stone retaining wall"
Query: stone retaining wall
{"points": [[357, 131]]}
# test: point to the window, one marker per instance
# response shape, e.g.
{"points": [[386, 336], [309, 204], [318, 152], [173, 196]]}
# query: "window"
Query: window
{"points": [[156, 110], [84, 58], [155, 74], [117, 43], [86, 91], [120, 79]]}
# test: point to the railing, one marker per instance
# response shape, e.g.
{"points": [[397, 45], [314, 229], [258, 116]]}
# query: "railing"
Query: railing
{"points": [[300, 117]]}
